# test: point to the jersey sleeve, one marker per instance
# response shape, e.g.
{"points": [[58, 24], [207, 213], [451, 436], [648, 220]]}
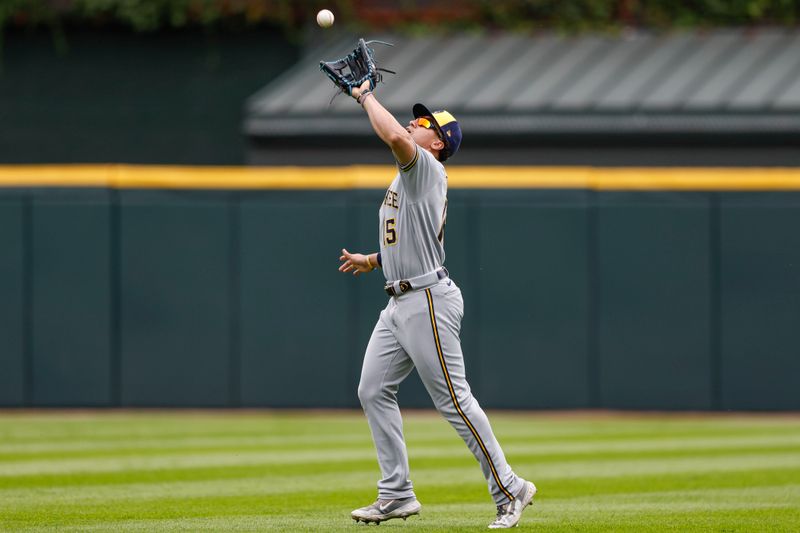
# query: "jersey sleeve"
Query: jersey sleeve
{"points": [[421, 173]]}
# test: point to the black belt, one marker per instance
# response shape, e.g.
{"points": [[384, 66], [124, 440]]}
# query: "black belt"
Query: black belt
{"points": [[425, 280]]}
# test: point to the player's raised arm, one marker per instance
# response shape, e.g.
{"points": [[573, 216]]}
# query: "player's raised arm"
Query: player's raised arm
{"points": [[357, 74], [385, 125]]}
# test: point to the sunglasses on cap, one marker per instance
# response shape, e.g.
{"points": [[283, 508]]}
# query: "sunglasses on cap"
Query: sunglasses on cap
{"points": [[429, 124]]}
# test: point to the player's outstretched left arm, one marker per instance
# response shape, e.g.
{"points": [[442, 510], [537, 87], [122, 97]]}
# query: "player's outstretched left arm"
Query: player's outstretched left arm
{"points": [[358, 263]]}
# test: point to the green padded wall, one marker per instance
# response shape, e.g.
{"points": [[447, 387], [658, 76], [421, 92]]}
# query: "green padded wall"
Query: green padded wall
{"points": [[533, 287], [12, 307], [653, 301], [294, 318], [760, 308], [71, 300], [174, 299]]}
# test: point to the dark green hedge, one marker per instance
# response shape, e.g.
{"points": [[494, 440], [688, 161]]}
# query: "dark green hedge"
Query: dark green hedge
{"points": [[614, 14], [150, 15], [570, 15]]}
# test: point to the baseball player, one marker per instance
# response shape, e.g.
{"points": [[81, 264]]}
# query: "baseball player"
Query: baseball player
{"points": [[419, 328]]}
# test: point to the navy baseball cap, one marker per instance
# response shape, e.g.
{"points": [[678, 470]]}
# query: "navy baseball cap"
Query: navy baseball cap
{"points": [[446, 126]]}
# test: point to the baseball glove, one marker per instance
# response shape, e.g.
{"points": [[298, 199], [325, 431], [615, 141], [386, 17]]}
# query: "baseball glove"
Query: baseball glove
{"points": [[355, 68]]}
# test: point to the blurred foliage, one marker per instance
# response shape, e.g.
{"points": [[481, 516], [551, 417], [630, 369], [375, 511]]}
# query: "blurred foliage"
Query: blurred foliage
{"points": [[150, 15], [579, 15], [567, 15]]}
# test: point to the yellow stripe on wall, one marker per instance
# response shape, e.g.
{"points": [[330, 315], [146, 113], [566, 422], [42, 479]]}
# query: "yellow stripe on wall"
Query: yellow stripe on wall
{"points": [[697, 179], [379, 177], [175, 177]]}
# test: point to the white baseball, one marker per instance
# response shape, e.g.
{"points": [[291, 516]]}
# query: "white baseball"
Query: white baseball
{"points": [[325, 18]]}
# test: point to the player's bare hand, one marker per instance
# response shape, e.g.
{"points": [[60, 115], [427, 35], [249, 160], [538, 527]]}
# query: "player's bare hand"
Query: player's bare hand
{"points": [[355, 263], [356, 92]]}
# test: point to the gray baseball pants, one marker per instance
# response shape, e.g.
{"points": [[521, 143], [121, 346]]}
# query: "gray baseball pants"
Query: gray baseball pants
{"points": [[421, 329]]}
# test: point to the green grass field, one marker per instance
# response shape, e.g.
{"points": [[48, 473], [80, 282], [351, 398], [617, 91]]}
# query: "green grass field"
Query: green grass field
{"points": [[267, 471]]}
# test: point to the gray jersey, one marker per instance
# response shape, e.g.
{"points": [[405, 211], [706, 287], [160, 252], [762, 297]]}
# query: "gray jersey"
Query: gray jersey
{"points": [[420, 328], [412, 219]]}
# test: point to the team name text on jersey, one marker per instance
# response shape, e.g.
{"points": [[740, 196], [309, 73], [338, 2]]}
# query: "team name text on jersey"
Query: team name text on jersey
{"points": [[391, 199]]}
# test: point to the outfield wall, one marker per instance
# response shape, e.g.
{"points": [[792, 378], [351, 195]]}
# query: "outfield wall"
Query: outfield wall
{"points": [[613, 288]]}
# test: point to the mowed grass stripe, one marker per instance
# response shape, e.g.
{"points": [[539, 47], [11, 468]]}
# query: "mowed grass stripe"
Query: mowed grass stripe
{"points": [[303, 476], [655, 509], [265, 471], [338, 501], [437, 521], [310, 479], [155, 461], [364, 480], [424, 447], [165, 425], [97, 445], [366, 477], [434, 520], [54, 430], [445, 461], [171, 426]]}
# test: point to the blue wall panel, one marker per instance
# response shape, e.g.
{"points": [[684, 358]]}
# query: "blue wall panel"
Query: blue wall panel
{"points": [[294, 329], [653, 301], [175, 300], [71, 301], [12, 368], [533, 287], [760, 311]]}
